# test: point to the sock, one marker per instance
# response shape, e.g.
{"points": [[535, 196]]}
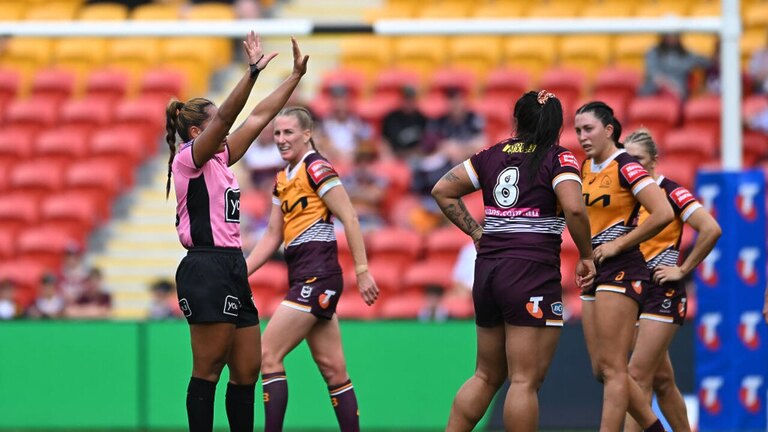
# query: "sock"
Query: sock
{"points": [[240, 407], [655, 427], [200, 394], [275, 387], [345, 404]]}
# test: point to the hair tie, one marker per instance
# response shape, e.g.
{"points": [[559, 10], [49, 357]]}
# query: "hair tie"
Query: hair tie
{"points": [[543, 96]]}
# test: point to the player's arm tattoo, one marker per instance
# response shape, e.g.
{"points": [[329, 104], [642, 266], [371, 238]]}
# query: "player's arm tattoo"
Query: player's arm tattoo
{"points": [[450, 177], [457, 212]]}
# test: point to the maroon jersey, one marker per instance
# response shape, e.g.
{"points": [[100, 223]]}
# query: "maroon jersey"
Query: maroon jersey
{"points": [[522, 217]]}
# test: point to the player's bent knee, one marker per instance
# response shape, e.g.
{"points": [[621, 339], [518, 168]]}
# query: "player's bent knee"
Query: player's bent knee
{"points": [[270, 361], [334, 371], [492, 379]]}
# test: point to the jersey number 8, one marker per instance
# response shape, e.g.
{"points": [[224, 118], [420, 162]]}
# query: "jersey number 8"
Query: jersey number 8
{"points": [[506, 192]]}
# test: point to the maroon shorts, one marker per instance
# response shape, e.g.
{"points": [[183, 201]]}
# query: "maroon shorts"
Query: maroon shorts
{"points": [[518, 292], [666, 303], [624, 274], [318, 295]]}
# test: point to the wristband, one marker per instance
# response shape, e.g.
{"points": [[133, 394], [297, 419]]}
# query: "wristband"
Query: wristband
{"points": [[360, 269], [254, 70]]}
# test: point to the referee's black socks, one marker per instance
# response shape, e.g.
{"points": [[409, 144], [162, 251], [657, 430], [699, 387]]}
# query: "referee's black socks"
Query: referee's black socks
{"points": [[200, 395], [240, 407]]}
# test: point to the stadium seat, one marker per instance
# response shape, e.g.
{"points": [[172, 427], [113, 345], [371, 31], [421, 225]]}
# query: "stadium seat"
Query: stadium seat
{"points": [[388, 84], [497, 114], [352, 80], [700, 43], [422, 274], [629, 50], [36, 178], [99, 180], [498, 9], [422, 54], [195, 57], [444, 9], [156, 12], [32, 113], [86, 114], [80, 55], [7, 244], [662, 9], [346, 261], [26, 274], [506, 85], [678, 168], [133, 56], [568, 272], [755, 147], [754, 104], [120, 147], [569, 140], [26, 55], [477, 54], [145, 114], [61, 146], [533, 54], [397, 245], [16, 144], [388, 276], [13, 11], [51, 11], [215, 11], [271, 277], [657, 113], [448, 78], [751, 40], [70, 212], [475, 205], [163, 83], [444, 244], [110, 85], [405, 306], [44, 245], [568, 85], [103, 12], [623, 9], [459, 307], [366, 54], [616, 101], [18, 210], [755, 17], [553, 9], [585, 53], [703, 113], [621, 81], [9, 88], [53, 85], [352, 306], [256, 205], [390, 11]]}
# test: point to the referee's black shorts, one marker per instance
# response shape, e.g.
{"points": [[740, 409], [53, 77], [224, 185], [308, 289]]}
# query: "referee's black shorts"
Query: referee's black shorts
{"points": [[212, 285]]}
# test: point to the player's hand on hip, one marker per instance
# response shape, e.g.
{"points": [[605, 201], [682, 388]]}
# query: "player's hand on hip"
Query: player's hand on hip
{"points": [[299, 61], [368, 289], [605, 251], [585, 273], [663, 274], [255, 52]]}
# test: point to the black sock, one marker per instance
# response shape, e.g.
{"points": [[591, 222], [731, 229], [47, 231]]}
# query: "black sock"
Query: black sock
{"points": [[655, 427], [240, 407], [275, 400], [200, 395]]}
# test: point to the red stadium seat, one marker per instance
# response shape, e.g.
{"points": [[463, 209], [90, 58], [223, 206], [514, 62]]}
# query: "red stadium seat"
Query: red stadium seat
{"points": [[616, 101], [388, 275], [45, 245], [569, 140], [459, 307], [755, 147], [568, 85], [7, 243], [164, 83], [475, 205], [87, 114], [9, 88], [657, 113], [54, 85], [61, 145], [256, 205], [70, 212], [497, 113], [398, 175], [422, 274], [388, 84], [120, 147], [18, 210], [352, 306], [37, 178], [753, 104], [620, 81], [271, 277], [146, 115], [444, 79], [568, 271], [108, 84], [397, 245], [406, 306], [433, 106], [703, 113], [346, 261], [699, 145], [445, 243], [506, 86], [24, 273], [33, 113], [16, 144], [679, 168], [100, 180]]}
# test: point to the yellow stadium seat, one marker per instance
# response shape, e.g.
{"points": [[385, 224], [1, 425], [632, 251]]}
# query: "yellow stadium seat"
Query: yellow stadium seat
{"points": [[663, 8], [155, 12], [586, 53], [454, 9], [629, 50], [533, 54], [215, 11], [609, 10], [421, 54], [500, 10], [26, 56], [554, 9], [134, 56], [710, 8], [751, 41], [390, 12], [700, 43], [194, 56], [477, 54], [12, 11], [104, 12], [756, 16], [81, 56], [367, 54], [53, 11]]}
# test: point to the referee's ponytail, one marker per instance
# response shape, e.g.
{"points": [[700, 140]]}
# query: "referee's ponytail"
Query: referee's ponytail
{"points": [[539, 119], [179, 117]]}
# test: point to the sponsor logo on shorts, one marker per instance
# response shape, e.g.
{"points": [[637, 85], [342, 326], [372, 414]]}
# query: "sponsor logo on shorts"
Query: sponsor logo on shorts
{"points": [[533, 307], [666, 304], [557, 308], [637, 286], [306, 291], [670, 293], [231, 305], [633, 171], [184, 306], [619, 276], [325, 298]]}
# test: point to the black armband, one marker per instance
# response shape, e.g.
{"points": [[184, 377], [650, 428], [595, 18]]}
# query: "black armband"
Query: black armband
{"points": [[254, 70]]}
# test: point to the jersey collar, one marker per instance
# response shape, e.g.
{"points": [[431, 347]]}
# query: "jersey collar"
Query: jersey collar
{"points": [[599, 167], [291, 173]]}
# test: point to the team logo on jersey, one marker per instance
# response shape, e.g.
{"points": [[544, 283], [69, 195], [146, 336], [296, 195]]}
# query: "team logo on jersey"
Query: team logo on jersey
{"points": [[681, 307], [567, 159], [306, 291], [637, 286], [748, 329], [745, 265], [184, 306], [533, 307], [557, 308], [708, 194], [749, 394], [619, 276], [633, 171], [709, 394], [605, 182], [707, 330], [682, 197], [231, 305], [707, 270], [325, 298], [232, 205], [745, 200], [320, 170]]}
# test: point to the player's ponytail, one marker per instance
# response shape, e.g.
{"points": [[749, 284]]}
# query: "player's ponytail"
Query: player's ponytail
{"points": [[604, 113], [539, 119], [179, 117]]}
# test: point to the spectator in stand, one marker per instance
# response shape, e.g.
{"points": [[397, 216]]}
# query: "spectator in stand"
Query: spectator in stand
{"points": [[402, 129], [342, 128], [668, 67], [94, 302], [758, 70], [73, 273], [8, 307], [263, 161], [50, 303], [366, 188], [164, 304]]}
